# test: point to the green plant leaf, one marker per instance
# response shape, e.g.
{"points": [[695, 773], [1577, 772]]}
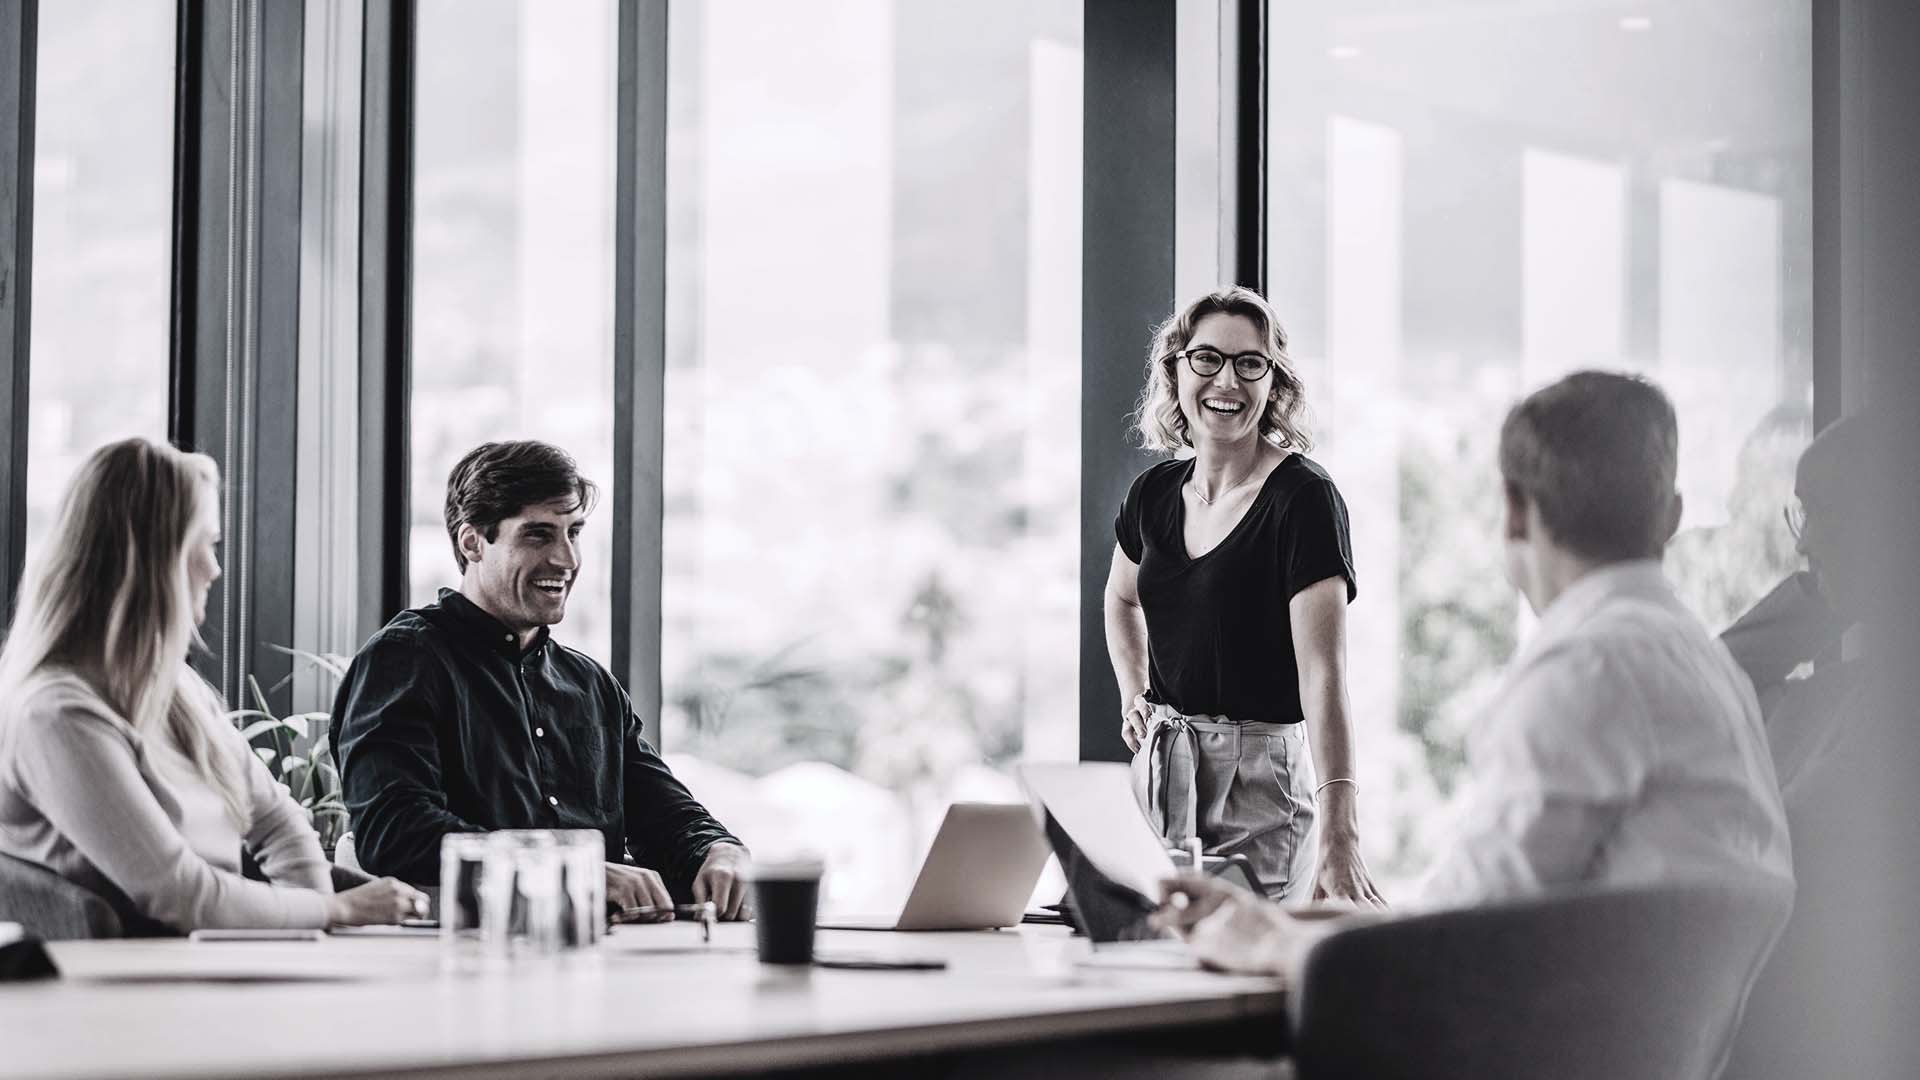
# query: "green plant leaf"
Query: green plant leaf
{"points": [[261, 727], [265, 754], [332, 663], [309, 722], [259, 698]]}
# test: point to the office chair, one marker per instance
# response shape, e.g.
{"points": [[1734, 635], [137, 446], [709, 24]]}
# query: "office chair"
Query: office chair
{"points": [[1597, 984], [49, 906]]}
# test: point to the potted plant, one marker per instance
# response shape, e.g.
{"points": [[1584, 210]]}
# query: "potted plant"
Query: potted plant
{"points": [[295, 748]]}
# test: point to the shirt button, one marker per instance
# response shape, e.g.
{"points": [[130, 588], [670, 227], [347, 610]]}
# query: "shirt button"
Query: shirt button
{"points": [[551, 801]]}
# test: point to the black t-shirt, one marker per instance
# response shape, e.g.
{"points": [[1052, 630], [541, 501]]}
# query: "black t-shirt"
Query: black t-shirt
{"points": [[1219, 639]]}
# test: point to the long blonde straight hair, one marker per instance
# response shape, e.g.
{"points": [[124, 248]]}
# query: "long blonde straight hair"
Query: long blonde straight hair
{"points": [[106, 596]]}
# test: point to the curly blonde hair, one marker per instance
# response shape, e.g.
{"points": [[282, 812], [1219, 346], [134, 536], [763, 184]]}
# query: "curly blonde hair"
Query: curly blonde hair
{"points": [[1157, 419]]}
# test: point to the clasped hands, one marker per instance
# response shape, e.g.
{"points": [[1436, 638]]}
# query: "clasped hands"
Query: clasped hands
{"points": [[720, 880]]}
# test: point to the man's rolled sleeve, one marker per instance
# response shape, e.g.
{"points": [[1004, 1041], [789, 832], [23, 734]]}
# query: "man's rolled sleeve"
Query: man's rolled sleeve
{"points": [[383, 731]]}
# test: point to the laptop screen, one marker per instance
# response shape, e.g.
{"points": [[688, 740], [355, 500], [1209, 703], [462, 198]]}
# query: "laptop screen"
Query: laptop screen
{"points": [[1103, 910]]}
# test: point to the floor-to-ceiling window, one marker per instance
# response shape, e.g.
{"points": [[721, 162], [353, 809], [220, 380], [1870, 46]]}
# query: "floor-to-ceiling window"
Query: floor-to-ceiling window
{"points": [[102, 186], [1467, 202], [513, 264], [873, 351], [872, 426]]}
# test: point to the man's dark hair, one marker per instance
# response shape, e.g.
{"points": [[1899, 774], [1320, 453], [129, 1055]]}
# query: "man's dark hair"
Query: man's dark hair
{"points": [[498, 480], [1597, 453]]}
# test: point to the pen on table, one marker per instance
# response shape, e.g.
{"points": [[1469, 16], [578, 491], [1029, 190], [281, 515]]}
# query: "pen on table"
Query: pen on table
{"points": [[679, 911], [705, 912]]}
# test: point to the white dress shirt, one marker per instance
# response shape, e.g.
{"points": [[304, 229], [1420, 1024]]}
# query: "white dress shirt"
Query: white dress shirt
{"points": [[1625, 747]]}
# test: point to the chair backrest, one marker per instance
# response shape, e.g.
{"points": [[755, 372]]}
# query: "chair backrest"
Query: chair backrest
{"points": [[51, 907], [1618, 983]]}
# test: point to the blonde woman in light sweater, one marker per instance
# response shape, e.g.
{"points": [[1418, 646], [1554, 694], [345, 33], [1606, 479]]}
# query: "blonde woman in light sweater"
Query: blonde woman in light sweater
{"points": [[118, 770]]}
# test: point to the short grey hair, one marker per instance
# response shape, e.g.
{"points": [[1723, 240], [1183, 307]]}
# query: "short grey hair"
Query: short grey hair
{"points": [[1597, 452]]}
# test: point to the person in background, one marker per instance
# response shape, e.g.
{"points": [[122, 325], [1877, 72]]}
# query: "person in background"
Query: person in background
{"points": [[1804, 644], [1718, 569], [465, 715], [1226, 610], [1842, 737], [1625, 746], [118, 769]]}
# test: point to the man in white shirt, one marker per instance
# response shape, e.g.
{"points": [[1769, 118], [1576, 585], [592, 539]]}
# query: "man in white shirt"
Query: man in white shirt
{"points": [[1625, 747]]}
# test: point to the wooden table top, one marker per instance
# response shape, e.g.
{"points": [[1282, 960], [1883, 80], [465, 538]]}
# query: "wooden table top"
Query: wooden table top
{"points": [[652, 997]]}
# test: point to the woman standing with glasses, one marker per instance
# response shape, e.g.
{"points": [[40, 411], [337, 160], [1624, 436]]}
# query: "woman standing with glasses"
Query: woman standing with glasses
{"points": [[1226, 610]]}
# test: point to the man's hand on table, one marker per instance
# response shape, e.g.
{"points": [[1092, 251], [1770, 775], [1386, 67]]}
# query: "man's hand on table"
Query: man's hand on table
{"points": [[720, 880], [636, 886]]}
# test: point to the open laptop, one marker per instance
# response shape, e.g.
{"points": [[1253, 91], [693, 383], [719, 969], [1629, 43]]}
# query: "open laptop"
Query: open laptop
{"points": [[979, 873], [1103, 909], [1088, 813]]}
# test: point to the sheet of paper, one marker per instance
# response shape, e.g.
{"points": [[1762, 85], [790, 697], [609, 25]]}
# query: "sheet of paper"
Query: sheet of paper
{"points": [[1094, 803]]}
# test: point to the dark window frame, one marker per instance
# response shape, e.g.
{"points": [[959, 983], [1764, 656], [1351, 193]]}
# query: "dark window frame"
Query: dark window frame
{"points": [[19, 41], [389, 51], [1126, 288], [235, 333], [639, 353]]}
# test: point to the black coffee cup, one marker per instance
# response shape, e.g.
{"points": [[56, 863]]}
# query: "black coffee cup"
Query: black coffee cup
{"points": [[786, 900]]}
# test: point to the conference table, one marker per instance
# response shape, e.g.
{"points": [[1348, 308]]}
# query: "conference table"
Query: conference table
{"points": [[651, 1000]]}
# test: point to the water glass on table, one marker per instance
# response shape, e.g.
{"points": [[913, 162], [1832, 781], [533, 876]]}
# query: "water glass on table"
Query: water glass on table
{"points": [[522, 892], [583, 887], [520, 908], [462, 859]]}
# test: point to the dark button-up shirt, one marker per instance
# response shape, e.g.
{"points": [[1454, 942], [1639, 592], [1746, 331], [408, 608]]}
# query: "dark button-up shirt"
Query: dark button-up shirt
{"points": [[444, 724]]}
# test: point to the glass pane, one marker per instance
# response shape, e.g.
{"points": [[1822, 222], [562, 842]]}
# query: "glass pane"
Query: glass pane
{"points": [[102, 237], [513, 264], [1467, 205], [872, 471]]}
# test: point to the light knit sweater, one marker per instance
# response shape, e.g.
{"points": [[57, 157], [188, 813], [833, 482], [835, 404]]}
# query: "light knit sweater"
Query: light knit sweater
{"points": [[121, 811]]}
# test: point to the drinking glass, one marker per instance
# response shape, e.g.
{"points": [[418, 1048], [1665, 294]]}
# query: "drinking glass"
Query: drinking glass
{"points": [[462, 859], [583, 887]]}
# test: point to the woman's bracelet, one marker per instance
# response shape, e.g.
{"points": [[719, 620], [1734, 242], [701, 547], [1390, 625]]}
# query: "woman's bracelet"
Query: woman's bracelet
{"points": [[1335, 780]]}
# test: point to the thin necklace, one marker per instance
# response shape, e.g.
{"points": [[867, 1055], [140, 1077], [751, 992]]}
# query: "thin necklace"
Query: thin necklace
{"points": [[1194, 485]]}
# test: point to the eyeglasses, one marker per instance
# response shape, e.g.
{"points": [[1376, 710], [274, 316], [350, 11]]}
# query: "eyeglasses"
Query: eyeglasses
{"points": [[1206, 363], [1796, 521]]}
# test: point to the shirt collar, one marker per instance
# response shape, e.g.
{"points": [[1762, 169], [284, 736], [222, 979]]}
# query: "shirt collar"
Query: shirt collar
{"points": [[486, 630], [1641, 578]]}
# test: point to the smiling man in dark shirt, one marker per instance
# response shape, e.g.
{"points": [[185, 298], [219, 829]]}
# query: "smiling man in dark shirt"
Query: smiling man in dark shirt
{"points": [[464, 715]]}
